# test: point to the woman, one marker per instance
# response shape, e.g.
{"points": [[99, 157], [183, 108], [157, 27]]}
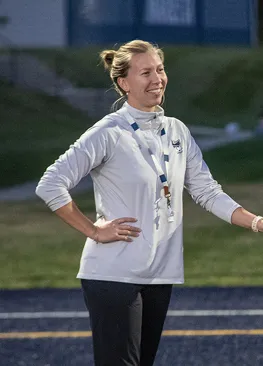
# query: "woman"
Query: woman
{"points": [[140, 161]]}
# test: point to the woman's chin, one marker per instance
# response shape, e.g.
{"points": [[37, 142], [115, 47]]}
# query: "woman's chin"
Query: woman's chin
{"points": [[158, 100], [155, 100]]}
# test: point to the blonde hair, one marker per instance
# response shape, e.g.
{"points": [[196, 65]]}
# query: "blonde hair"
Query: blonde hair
{"points": [[118, 63]]}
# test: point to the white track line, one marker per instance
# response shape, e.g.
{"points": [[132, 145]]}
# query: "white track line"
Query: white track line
{"points": [[171, 313]]}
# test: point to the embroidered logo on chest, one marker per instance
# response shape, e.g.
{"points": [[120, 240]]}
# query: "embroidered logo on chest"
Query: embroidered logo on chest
{"points": [[177, 146]]}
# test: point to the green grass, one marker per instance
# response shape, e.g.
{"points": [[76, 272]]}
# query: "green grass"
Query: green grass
{"points": [[219, 254], [35, 129], [39, 250], [207, 85], [223, 256], [237, 162]]}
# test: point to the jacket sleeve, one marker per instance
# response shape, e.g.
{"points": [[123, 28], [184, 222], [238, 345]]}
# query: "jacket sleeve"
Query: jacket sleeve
{"points": [[203, 188], [89, 151]]}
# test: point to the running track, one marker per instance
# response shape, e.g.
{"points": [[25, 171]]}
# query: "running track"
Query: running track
{"points": [[204, 327]]}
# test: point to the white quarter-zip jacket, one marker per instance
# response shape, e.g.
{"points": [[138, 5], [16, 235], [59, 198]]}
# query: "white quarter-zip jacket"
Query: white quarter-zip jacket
{"points": [[126, 184]]}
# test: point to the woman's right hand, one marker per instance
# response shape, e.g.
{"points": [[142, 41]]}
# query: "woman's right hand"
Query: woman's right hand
{"points": [[116, 230]]}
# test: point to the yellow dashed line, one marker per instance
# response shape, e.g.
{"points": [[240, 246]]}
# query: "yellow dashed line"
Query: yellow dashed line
{"points": [[35, 335], [217, 332], [166, 333]]}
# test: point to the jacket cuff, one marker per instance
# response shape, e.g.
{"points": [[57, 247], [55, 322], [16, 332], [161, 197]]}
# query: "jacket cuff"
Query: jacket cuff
{"points": [[224, 206]]}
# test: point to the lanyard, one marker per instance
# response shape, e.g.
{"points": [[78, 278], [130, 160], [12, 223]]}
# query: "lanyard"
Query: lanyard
{"points": [[162, 175]]}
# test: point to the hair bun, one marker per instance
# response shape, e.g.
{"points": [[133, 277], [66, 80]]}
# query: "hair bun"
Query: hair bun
{"points": [[107, 57]]}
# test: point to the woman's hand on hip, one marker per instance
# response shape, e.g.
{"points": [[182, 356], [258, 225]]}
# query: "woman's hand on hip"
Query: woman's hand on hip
{"points": [[116, 230]]}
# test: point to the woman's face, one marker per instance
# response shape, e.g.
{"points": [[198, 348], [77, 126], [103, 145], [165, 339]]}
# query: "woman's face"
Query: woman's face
{"points": [[146, 81]]}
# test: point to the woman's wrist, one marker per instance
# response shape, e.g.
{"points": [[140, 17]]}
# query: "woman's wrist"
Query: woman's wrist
{"points": [[257, 224], [260, 225], [95, 234]]}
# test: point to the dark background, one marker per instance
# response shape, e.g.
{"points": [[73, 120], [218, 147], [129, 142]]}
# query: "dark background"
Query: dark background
{"points": [[260, 12]]}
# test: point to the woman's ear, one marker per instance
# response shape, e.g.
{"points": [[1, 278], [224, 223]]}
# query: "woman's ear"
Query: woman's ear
{"points": [[123, 84]]}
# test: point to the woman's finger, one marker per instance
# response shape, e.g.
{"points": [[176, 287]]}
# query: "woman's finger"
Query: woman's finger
{"points": [[125, 238], [130, 228], [124, 219], [128, 233]]}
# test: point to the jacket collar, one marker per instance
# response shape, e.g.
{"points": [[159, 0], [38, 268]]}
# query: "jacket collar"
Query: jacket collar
{"points": [[146, 120]]}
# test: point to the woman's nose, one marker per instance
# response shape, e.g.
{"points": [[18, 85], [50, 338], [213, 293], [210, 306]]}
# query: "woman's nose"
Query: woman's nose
{"points": [[156, 78]]}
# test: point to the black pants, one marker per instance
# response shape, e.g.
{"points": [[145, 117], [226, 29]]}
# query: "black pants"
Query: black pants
{"points": [[126, 321]]}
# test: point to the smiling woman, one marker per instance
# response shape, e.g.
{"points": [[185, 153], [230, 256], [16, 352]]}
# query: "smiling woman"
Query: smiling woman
{"points": [[140, 162], [143, 81]]}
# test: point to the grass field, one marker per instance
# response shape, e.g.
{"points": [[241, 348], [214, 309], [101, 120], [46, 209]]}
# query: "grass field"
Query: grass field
{"points": [[35, 129], [39, 250], [237, 162]]}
